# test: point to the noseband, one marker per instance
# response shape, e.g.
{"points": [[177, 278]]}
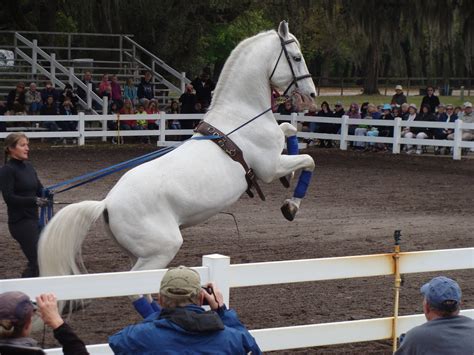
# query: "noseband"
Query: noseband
{"points": [[287, 55]]}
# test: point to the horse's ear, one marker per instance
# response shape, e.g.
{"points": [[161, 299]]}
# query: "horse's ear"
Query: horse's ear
{"points": [[283, 29]]}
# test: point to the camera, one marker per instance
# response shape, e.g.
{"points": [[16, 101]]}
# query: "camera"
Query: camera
{"points": [[210, 291]]}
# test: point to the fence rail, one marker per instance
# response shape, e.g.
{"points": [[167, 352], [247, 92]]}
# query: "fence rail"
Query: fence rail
{"points": [[163, 134], [218, 268]]}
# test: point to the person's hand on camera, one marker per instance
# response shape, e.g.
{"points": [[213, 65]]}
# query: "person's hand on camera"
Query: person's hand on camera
{"points": [[216, 299], [42, 202], [48, 310]]}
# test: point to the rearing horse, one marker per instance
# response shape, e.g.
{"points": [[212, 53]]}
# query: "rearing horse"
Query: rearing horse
{"points": [[148, 206]]}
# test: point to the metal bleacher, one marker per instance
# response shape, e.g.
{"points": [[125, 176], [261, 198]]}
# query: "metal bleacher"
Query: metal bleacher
{"points": [[63, 57]]}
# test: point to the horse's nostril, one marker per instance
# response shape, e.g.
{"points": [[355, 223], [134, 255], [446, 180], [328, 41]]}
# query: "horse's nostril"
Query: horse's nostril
{"points": [[313, 95]]}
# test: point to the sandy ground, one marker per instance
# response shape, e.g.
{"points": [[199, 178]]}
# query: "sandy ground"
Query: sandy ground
{"points": [[354, 204]]}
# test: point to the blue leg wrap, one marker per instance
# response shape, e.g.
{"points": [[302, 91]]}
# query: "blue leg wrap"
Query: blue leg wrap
{"points": [[303, 183], [143, 307], [292, 145]]}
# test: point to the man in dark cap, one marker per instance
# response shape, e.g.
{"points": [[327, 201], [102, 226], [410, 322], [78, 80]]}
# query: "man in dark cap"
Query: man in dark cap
{"points": [[180, 325], [446, 332]]}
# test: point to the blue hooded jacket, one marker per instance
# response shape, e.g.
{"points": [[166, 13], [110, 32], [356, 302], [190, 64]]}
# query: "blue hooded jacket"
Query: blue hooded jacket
{"points": [[187, 330]]}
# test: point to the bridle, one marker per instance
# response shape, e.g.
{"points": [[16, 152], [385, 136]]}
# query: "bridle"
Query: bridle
{"points": [[295, 80]]}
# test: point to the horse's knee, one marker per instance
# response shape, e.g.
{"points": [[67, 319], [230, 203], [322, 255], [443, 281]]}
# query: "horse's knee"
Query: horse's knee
{"points": [[288, 129]]}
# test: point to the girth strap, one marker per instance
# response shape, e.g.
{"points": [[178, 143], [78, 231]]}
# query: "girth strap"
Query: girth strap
{"points": [[234, 152]]}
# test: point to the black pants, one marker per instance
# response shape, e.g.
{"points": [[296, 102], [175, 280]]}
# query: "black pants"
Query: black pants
{"points": [[26, 232]]}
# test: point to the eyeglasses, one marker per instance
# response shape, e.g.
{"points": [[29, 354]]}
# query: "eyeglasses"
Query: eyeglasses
{"points": [[429, 90]]}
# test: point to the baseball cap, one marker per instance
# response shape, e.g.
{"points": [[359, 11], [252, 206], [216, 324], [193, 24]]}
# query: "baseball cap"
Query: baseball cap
{"points": [[180, 283], [15, 306], [339, 103], [467, 104], [439, 290], [386, 107], [413, 106], [398, 87]]}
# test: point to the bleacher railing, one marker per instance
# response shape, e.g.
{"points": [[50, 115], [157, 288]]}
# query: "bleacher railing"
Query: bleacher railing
{"points": [[172, 137], [217, 268]]}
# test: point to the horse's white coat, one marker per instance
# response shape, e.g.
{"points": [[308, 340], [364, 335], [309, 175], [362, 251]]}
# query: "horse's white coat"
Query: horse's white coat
{"points": [[152, 202]]}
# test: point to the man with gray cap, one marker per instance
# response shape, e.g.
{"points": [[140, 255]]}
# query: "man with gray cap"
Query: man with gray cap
{"points": [[446, 332], [399, 98], [179, 325]]}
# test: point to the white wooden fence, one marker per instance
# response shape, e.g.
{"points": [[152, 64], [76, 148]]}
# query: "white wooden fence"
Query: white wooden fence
{"points": [[164, 134], [218, 268]]}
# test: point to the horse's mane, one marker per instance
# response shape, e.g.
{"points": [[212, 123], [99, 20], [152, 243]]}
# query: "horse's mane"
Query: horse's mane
{"points": [[233, 58]]}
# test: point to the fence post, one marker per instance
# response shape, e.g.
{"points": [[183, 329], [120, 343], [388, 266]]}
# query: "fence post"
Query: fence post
{"points": [[71, 75], [344, 132], [183, 83], [397, 132], [219, 267], [89, 96], [69, 45], [82, 129], [34, 56], [52, 71], [105, 107], [457, 140], [162, 139]]}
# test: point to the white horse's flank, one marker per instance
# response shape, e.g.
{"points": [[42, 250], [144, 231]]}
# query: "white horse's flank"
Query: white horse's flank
{"points": [[149, 205]]}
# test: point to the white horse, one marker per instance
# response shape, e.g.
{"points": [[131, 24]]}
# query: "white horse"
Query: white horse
{"points": [[149, 205]]}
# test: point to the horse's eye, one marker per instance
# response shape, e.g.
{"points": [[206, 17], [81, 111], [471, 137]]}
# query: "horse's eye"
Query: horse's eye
{"points": [[297, 58]]}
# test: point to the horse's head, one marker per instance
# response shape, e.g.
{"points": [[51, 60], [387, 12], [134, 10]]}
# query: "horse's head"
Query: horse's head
{"points": [[290, 73]]}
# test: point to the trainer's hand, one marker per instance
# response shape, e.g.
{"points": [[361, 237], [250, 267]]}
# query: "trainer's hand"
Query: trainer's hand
{"points": [[48, 310], [216, 300], [42, 202]]}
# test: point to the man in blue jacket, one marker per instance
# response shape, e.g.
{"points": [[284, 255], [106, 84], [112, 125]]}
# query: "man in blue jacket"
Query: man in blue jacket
{"points": [[179, 325]]}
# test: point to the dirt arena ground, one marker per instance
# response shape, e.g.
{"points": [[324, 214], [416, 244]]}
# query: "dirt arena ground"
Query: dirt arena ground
{"points": [[354, 204]]}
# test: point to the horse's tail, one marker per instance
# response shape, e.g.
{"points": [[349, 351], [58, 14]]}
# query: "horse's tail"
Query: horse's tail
{"points": [[59, 247]]}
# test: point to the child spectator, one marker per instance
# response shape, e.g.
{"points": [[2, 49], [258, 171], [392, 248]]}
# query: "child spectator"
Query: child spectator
{"points": [[105, 89], [50, 109], [116, 91], [49, 91], [130, 91]]}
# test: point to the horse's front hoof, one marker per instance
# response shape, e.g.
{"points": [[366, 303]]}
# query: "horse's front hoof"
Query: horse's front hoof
{"points": [[289, 210]]}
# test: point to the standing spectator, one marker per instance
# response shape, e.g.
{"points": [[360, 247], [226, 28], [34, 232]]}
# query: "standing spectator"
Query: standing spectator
{"points": [[33, 100], [21, 191], [442, 133], [180, 325], [146, 89], [49, 91], [49, 109], [105, 89], [446, 332], [16, 318], [87, 79], [16, 99], [204, 87], [188, 99], [116, 91], [399, 98], [130, 91], [430, 99]]}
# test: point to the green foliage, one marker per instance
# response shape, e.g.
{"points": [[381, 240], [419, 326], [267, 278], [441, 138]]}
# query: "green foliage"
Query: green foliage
{"points": [[65, 23], [219, 42]]}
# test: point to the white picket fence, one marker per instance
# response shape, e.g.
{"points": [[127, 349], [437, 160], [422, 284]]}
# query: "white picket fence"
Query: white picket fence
{"points": [[217, 268], [164, 134]]}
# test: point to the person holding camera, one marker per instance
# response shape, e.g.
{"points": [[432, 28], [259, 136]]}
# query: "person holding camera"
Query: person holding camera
{"points": [[21, 191], [178, 323]]}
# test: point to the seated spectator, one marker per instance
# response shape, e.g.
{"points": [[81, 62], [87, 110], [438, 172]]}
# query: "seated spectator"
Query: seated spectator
{"points": [[457, 110], [338, 112], [286, 108], [399, 98], [153, 110], [130, 91], [3, 112], [467, 116], [174, 124], [446, 331], [326, 127], [87, 79], [33, 100], [49, 109], [67, 109], [386, 131], [68, 93], [146, 88], [141, 123], [16, 318], [404, 111], [421, 132], [373, 113], [312, 126], [407, 131], [127, 109], [396, 112], [353, 112], [442, 133], [180, 325], [16, 99], [116, 91], [363, 109], [49, 91], [105, 89]]}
